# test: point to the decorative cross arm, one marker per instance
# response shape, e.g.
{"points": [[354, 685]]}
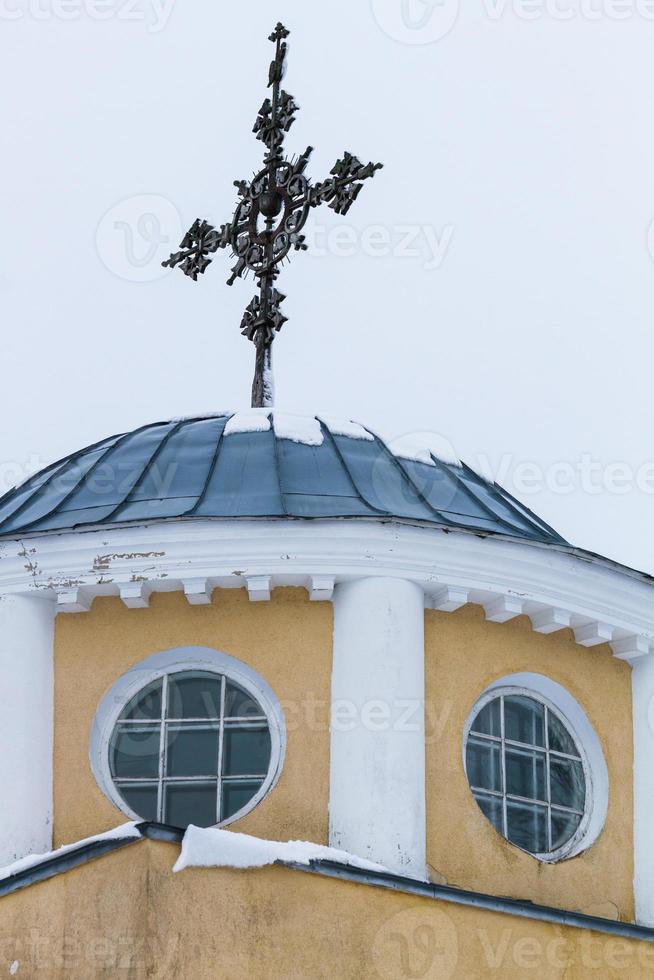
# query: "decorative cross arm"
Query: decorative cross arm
{"points": [[269, 217]]}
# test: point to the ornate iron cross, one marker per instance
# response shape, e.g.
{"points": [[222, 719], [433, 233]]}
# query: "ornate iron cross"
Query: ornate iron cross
{"points": [[269, 217]]}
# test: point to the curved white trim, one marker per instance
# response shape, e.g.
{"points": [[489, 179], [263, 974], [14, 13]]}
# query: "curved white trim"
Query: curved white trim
{"points": [[575, 719], [555, 588], [173, 661]]}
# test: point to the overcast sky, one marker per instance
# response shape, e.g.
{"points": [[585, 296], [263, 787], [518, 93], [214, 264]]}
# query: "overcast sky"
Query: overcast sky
{"points": [[493, 284]]}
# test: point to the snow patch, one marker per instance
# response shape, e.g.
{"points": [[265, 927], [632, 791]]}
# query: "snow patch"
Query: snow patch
{"points": [[125, 831], [420, 447], [298, 428], [214, 848], [343, 427], [253, 420], [201, 416]]}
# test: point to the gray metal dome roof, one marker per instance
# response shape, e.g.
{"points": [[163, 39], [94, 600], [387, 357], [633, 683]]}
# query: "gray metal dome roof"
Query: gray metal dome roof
{"points": [[255, 465]]}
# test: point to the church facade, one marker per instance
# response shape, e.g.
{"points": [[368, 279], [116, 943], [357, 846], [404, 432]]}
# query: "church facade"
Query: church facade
{"points": [[280, 628]]}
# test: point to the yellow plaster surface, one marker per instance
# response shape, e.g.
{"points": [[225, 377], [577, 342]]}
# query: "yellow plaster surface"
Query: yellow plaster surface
{"points": [[127, 915], [287, 640], [464, 654]]}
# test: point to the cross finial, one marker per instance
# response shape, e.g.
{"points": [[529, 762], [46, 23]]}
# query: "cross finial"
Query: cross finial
{"points": [[271, 212], [280, 32]]}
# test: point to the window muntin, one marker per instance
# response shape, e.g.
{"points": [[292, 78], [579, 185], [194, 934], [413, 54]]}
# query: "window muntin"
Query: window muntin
{"points": [[527, 772], [190, 747]]}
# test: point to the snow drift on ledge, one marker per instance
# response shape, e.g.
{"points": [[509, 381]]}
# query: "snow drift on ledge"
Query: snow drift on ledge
{"points": [[211, 847]]}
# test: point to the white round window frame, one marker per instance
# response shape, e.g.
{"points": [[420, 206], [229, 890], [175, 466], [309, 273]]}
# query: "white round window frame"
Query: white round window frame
{"points": [[172, 662], [571, 714]]}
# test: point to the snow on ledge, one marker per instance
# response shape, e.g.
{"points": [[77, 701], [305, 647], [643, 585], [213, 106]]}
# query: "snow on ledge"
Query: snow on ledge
{"points": [[304, 429], [253, 420], [214, 848], [124, 832]]}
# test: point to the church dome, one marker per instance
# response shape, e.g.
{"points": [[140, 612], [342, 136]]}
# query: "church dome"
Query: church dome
{"points": [[260, 464]]}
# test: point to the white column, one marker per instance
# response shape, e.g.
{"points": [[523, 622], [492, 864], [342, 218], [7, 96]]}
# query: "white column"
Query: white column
{"points": [[377, 767], [643, 713], [26, 725]]}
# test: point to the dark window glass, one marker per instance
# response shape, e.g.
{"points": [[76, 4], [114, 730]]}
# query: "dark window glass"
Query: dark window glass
{"points": [[246, 751], [141, 798], [192, 751], [146, 705], [559, 739], [524, 720], [534, 780], [491, 807], [567, 782], [168, 744], [134, 752], [564, 825], [484, 764], [236, 795], [192, 802], [488, 721], [194, 694], [239, 704], [525, 773], [527, 826]]}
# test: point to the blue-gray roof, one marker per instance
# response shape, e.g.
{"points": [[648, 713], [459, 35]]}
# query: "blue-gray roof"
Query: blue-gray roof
{"points": [[193, 469]]}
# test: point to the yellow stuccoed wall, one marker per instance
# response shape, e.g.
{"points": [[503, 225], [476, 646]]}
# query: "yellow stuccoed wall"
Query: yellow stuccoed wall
{"points": [[287, 640], [127, 915], [464, 654]]}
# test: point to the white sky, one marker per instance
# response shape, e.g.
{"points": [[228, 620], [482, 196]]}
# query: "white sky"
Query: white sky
{"points": [[522, 148]]}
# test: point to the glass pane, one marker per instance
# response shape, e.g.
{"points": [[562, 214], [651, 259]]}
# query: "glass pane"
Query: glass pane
{"points": [[141, 798], [559, 739], [246, 751], [564, 826], [491, 807], [483, 764], [134, 751], [525, 773], [236, 795], [187, 803], [527, 826], [239, 704], [192, 751], [146, 704], [524, 720], [487, 721], [568, 783], [194, 694]]}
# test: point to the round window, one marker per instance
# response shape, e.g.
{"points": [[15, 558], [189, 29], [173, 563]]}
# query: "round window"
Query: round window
{"points": [[527, 772], [177, 743]]}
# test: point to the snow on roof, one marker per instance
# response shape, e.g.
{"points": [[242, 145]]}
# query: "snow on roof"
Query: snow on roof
{"points": [[421, 447], [253, 420], [304, 429], [211, 847], [343, 427]]}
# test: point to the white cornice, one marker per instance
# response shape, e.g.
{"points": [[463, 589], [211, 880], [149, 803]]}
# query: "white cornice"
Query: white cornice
{"points": [[601, 602]]}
